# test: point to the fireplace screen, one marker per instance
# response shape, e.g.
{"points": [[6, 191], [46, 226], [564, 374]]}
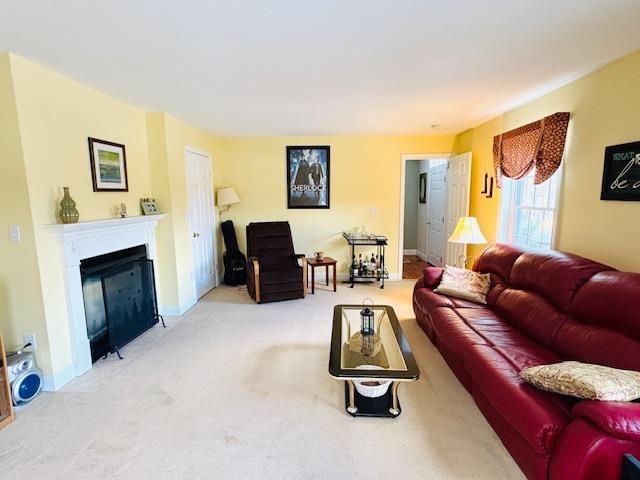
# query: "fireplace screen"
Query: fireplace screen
{"points": [[120, 299]]}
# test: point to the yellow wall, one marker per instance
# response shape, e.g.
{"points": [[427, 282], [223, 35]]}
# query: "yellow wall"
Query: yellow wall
{"points": [[55, 116], [604, 107], [365, 172], [45, 121], [21, 307], [169, 137]]}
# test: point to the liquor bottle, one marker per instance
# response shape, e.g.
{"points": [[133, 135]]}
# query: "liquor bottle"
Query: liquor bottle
{"points": [[381, 268], [377, 262], [373, 263], [354, 266], [360, 270]]}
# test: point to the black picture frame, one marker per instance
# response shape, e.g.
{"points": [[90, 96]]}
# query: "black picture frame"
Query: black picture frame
{"points": [[104, 181], [621, 173], [308, 176], [422, 188]]}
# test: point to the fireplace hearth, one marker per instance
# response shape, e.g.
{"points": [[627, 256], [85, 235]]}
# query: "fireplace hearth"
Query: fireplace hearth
{"points": [[119, 299]]}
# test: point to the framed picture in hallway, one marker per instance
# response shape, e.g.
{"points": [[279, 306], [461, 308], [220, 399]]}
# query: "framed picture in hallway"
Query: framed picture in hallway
{"points": [[423, 188], [108, 166], [308, 176]]}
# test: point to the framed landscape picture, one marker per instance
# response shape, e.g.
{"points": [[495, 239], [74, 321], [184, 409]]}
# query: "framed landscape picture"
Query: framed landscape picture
{"points": [[108, 166], [621, 175], [308, 177]]}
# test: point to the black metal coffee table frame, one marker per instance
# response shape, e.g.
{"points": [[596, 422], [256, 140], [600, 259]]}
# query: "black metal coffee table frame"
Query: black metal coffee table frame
{"points": [[387, 405]]}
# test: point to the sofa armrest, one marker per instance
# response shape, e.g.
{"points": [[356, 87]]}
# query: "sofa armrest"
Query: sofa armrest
{"points": [[431, 277], [303, 258], [618, 419]]}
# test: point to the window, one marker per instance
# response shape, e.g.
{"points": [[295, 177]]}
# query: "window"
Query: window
{"points": [[528, 211]]}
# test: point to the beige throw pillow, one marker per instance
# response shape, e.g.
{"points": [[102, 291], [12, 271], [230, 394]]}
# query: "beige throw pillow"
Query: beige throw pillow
{"points": [[585, 380], [465, 284]]}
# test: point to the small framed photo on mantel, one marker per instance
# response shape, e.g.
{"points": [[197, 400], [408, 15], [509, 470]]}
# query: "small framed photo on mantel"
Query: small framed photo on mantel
{"points": [[108, 166]]}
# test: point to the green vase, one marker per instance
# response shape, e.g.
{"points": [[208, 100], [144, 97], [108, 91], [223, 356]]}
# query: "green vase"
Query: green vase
{"points": [[68, 211]]}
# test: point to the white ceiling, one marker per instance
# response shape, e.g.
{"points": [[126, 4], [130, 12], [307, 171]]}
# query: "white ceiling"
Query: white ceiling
{"points": [[302, 67]]}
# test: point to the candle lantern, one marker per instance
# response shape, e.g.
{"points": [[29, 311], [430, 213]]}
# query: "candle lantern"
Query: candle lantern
{"points": [[367, 317]]}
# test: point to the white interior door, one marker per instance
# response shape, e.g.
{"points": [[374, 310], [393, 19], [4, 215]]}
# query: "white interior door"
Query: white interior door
{"points": [[458, 185], [436, 198], [201, 220]]}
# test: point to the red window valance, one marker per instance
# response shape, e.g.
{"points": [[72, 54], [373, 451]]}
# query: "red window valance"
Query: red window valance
{"points": [[537, 145]]}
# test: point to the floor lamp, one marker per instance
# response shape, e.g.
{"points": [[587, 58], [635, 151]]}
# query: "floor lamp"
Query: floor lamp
{"points": [[467, 232]]}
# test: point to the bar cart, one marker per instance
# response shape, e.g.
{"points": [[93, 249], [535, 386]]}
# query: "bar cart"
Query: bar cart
{"points": [[377, 241]]}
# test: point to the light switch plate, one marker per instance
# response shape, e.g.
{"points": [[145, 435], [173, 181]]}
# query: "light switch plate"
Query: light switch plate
{"points": [[373, 211], [15, 236]]}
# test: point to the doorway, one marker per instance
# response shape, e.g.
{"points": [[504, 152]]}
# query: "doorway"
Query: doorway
{"points": [[201, 220], [435, 194], [416, 210]]}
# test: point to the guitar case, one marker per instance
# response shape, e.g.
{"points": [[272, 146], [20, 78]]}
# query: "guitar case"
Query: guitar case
{"points": [[235, 263]]}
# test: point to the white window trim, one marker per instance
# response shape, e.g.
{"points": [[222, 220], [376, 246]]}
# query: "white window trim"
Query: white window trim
{"points": [[505, 228]]}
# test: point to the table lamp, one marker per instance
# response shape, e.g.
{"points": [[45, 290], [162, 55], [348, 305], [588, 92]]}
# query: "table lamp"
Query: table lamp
{"points": [[467, 232]]}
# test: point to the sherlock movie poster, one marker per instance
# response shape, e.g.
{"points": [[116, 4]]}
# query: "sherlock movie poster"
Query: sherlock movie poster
{"points": [[308, 177]]}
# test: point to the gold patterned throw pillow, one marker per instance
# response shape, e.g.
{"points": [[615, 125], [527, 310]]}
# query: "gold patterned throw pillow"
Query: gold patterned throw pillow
{"points": [[585, 380], [465, 284]]}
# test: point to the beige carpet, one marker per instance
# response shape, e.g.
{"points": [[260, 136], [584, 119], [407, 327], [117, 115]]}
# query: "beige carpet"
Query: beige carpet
{"points": [[239, 390]]}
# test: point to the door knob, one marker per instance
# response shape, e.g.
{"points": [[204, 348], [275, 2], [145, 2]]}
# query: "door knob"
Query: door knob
{"points": [[195, 234]]}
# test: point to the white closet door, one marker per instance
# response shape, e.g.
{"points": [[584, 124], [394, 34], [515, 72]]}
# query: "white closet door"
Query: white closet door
{"points": [[458, 186]]}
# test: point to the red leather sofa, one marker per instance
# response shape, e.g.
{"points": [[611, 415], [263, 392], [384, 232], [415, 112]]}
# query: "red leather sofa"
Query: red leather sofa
{"points": [[543, 307]]}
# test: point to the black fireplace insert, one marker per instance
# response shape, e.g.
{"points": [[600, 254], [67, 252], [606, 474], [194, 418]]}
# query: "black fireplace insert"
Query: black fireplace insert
{"points": [[119, 299]]}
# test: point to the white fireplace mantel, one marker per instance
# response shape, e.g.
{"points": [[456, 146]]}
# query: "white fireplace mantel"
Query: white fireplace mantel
{"points": [[88, 239]]}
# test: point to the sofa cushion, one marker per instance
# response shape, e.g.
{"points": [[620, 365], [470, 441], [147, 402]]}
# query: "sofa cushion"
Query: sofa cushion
{"points": [[461, 303], [491, 327], [585, 380], [537, 416], [604, 301], [554, 275], [451, 329], [601, 346], [531, 314], [427, 300], [498, 260], [453, 337]]}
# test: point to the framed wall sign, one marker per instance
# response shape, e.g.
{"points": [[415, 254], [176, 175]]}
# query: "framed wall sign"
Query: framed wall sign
{"points": [[422, 188], [108, 166], [308, 177], [621, 175]]}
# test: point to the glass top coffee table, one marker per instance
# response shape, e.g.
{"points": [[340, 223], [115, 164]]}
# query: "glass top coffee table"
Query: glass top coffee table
{"points": [[373, 364]]}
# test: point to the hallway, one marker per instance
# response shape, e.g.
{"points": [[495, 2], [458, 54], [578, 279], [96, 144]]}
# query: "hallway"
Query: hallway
{"points": [[412, 267]]}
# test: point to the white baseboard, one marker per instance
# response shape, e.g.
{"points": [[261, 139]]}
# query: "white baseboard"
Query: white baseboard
{"points": [[410, 251], [54, 381], [176, 310], [421, 256]]}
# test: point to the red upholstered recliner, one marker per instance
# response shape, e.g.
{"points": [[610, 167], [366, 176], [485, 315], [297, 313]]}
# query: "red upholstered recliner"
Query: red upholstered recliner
{"points": [[543, 307]]}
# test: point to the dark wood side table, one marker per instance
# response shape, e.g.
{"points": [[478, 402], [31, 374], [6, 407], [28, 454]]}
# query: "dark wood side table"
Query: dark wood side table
{"points": [[326, 262]]}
